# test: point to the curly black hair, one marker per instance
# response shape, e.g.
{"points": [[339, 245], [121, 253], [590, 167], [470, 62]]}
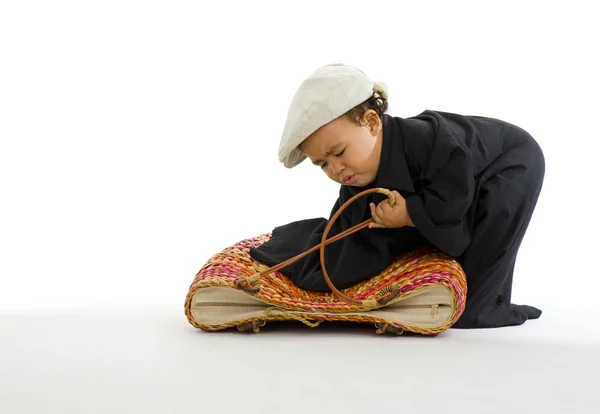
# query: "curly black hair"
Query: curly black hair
{"points": [[376, 102]]}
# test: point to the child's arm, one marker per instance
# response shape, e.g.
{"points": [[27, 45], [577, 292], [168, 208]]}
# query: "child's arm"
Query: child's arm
{"points": [[440, 206]]}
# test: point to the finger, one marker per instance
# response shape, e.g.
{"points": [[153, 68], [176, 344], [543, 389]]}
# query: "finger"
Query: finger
{"points": [[382, 211], [385, 204], [372, 208], [378, 222], [375, 215], [396, 195], [380, 214]]}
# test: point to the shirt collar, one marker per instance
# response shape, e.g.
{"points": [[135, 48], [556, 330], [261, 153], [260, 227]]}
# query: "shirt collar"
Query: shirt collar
{"points": [[393, 171]]}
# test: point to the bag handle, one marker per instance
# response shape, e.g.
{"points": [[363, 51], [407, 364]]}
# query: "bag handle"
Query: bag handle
{"points": [[247, 283]]}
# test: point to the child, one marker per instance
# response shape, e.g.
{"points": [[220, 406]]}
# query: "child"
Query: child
{"points": [[467, 185]]}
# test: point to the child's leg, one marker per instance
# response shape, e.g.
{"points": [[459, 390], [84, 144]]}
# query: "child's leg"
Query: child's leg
{"points": [[506, 292], [506, 202]]}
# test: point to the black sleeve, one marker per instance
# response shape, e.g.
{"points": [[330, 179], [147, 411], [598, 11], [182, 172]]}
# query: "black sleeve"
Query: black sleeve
{"points": [[348, 261], [439, 207]]}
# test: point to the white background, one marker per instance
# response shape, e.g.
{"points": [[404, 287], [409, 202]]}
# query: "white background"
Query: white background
{"points": [[140, 138]]}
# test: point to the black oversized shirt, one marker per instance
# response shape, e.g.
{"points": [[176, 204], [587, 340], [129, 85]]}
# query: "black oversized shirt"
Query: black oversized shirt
{"points": [[438, 162]]}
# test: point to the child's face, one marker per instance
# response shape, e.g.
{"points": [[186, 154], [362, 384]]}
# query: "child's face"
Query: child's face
{"points": [[347, 152]]}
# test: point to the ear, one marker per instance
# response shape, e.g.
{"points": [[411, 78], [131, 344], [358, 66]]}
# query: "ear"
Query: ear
{"points": [[371, 120]]}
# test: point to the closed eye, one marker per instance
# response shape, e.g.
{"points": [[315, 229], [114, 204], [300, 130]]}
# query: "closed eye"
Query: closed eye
{"points": [[339, 154]]}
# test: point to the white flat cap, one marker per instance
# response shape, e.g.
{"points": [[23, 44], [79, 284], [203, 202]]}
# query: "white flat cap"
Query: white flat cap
{"points": [[327, 94]]}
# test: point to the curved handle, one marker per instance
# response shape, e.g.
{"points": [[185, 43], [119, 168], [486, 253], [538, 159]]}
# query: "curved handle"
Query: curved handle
{"points": [[244, 283], [354, 229]]}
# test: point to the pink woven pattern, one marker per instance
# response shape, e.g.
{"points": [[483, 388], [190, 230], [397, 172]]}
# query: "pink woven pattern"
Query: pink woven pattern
{"points": [[409, 272]]}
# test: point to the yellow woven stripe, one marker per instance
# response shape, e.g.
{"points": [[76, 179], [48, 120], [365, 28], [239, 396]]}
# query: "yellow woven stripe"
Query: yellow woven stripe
{"points": [[278, 290]]}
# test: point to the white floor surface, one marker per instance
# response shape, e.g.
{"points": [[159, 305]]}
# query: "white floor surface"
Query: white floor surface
{"points": [[155, 362]]}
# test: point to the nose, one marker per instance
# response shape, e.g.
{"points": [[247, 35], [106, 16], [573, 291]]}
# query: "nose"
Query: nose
{"points": [[336, 168]]}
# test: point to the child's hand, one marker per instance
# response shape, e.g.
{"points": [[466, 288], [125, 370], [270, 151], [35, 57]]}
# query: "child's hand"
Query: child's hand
{"points": [[390, 217]]}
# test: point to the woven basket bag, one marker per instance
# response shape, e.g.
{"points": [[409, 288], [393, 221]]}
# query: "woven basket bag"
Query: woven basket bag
{"points": [[423, 291]]}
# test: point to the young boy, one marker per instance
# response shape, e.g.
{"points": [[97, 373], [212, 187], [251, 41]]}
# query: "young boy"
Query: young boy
{"points": [[467, 185]]}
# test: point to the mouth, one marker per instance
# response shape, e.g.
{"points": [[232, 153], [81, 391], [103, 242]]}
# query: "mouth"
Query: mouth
{"points": [[348, 179]]}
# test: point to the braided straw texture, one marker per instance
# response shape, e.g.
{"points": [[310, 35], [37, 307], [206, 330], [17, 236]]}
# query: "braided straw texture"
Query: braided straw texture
{"points": [[409, 272]]}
